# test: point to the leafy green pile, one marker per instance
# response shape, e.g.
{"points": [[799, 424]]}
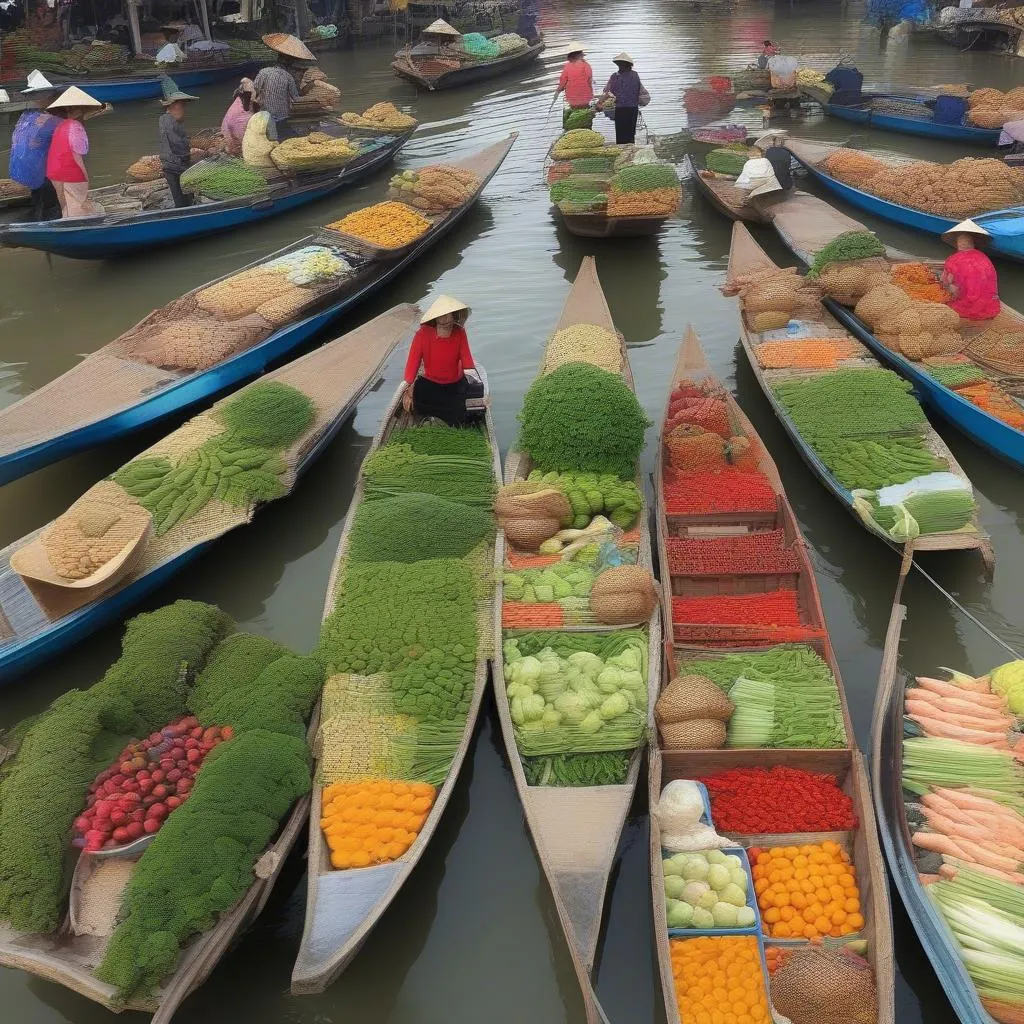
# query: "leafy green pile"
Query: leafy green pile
{"points": [[201, 861], [580, 418], [223, 178], [784, 697], [725, 161], [645, 178], [582, 191], [850, 245], [438, 439], [412, 527], [605, 769], [239, 466], [583, 118], [242, 656], [593, 165], [934, 511], [875, 463], [955, 375], [590, 495], [397, 469], [415, 621], [44, 788]]}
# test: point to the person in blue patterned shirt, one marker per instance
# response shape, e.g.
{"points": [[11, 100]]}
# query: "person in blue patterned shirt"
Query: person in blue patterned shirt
{"points": [[30, 145]]}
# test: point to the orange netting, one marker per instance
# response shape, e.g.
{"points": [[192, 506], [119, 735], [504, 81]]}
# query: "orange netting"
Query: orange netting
{"points": [[713, 493], [995, 402], [919, 282], [771, 608], [808, 353]]}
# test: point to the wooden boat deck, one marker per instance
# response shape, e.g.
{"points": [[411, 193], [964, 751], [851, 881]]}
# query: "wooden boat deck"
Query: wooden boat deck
{"points": [[476, 71], [723, 194], [576, 830]]}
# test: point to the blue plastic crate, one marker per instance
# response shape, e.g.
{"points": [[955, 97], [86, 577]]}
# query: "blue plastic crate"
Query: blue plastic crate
{"points": [[754, 929]]}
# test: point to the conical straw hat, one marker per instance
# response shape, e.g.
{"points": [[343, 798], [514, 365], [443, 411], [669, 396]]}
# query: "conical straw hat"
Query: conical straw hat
{"points": [[444, 304], [74, 97], [622, 58], [768, 137], [575, 47], [288, 45], [965, 227], [441, 28]]}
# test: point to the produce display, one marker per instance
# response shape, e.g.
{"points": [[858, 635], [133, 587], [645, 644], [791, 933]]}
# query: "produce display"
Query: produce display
{"points": [[509, 42], [583, 343], [223, 177], [574, 195], [849, 282], [314, 152], [760, 552], [384, 116], [593, 494], [577, 143], [478, 46], [963, 188], [401, 644], [576, 693], [772, 297], [990, 108], [919, 282], [607, 769], [584, 419], [387, 225], [778, 800], [913, 328], [435, 188], [582, 117], [707, 891], [807, 353], [846, 247], [808, 891], [239, 466], [818, 985], [711, 972], [146, 781], [91, 533], [726, 161]]}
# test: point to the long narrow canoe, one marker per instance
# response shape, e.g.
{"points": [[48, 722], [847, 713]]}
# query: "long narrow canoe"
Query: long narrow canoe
{"points": [[723, 194], [1005, 226], [109, 394], [38, 620], [343, 906], [806, 223], [119, 234], [844, 764], [478, 71], [747, 257], [576, 829]]}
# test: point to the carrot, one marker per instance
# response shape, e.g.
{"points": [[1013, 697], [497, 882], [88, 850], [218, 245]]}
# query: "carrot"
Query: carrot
{"points": [[991, 700], [1005, 1013], [971, 799], [973, 834], [983, 723], [1015, 878], [1005, 828], [516, 614], [938, 843], [951, 704], [933, 727], [927, 879]]}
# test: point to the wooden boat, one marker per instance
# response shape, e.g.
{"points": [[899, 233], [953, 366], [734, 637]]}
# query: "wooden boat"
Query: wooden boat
{"points": [[108, 395], [120, 233], [745, 257], [806, 223], [600, 225], [477, 71], [1004, 225], [722, 193], [38, 620], [342, 907], [844, 764], [576, 830]]}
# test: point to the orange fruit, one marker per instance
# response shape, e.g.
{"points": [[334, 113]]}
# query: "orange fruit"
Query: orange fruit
{"points": [[823, 924], [855, 922], [851, 905]]}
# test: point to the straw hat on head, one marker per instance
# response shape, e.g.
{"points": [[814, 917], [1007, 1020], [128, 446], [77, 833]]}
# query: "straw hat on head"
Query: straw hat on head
{"points": [[769, 137], [74, 97], [172, 93], [622, 58], [38, 83], [441, 28], [446, 304], [765, 188], [576, 47], [965, 227], [288, 46]]}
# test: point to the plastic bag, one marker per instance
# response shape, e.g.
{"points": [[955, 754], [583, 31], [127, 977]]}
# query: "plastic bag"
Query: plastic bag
{"points": [[679, 812], [895, 494]]}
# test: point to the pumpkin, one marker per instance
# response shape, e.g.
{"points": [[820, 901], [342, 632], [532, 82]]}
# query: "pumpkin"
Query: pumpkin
{"points": [[622, 595], [531, 513]]}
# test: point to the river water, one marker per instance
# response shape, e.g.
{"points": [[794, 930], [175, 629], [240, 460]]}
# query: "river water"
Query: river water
{"points": [[473, 936]]}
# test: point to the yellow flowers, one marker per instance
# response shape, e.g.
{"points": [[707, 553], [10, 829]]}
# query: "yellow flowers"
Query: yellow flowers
{"points": [[387, 225]]}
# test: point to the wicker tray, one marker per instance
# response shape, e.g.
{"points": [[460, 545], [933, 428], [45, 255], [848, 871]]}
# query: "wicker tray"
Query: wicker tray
{"points": [[379, 252]]}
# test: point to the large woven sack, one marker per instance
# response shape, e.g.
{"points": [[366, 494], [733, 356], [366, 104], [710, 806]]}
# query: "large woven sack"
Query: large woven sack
{"points": [[695, 734], [985, 98], [937, 317], [769, 321], [241, 294], [848, 282], [905, 322], [882, 303], [817, 985], [199, 342], [284, 308], [688, 697], [778, 296]]}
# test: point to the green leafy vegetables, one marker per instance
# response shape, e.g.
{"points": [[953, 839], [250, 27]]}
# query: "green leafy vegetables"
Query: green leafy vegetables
{"points": [[725, 161], [591, 495], [607, 769], [645, 177], [850, 245]]}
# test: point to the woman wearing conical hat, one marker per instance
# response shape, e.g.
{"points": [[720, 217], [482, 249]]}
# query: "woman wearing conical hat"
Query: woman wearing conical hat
{"points": [[65, 162], [968, 275], [576, 81], [435, 372]]}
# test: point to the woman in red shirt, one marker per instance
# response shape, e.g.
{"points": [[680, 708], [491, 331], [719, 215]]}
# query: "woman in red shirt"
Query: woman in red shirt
{"points": [[65, 161], [968, 275], [441, 347], [576, 81]]}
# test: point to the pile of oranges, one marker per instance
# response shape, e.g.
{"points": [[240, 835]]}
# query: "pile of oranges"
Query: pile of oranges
{"points": [[373, 822], [806, 892], [719, 980]]}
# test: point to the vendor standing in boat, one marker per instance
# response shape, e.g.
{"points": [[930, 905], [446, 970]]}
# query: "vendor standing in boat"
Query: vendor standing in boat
{"points": [[768, 50], [630, 95], [65, 162], [441, 347], [276, 88], [767, 176], [170, 52], [175, 148], [234, 122], [968, 275], [576, 81], [30, 145]]}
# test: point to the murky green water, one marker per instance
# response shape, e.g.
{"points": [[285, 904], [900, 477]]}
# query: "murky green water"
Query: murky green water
{"points": [[473, 937]]}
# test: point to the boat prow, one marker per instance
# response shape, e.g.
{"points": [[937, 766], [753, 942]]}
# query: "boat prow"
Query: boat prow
{"points": [[722, 193]]}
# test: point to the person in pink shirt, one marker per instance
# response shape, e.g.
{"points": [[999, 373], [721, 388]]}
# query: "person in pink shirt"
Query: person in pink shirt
{"points": [[233, 125], [65, 161], [968, 275], [576, 81]]}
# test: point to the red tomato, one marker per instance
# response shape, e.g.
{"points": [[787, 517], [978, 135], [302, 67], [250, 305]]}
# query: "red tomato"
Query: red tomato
{"points": [[151, 825]]}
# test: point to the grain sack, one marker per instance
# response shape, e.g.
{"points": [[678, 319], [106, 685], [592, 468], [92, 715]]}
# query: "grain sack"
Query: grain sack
{"points": [[848, 282], [241, 294], [146, 168], [937, 317], [985, 98], [283, 309], [882, 303], [199, 342]]}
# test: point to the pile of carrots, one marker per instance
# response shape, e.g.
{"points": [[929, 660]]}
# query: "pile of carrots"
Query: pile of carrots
{"points": [[918, 281], [522, 615], [990, 397], [808, 353], [950, 712]]}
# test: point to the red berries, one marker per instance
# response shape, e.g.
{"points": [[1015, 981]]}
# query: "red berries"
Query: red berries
{"points": [[151, 778]]}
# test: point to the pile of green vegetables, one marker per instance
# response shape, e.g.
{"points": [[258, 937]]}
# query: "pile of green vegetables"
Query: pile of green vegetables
{"points": [[579, 118], [563, 581], [579, 142], [933, 511], [593, 165], [726, 161], [397, 469], [577, 192], [955, 375], [850, 245], [607, 769], [223, 178], [592, 494], [870, 464], [645, 178], [576, 693], [580, 418], [241, 465], [784, 697]]}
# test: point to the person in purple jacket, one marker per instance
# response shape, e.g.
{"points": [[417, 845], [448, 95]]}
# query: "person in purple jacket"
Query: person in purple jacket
{"points": [[630, 95]]}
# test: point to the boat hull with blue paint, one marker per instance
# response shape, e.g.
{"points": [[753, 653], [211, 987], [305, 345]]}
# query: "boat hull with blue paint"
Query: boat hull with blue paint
{"points": [[177, 395], [112, 235], [130, 88], [1005, 226], [870, 118]]}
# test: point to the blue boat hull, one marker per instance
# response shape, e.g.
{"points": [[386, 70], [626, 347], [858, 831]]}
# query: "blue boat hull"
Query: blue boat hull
{"points": [[103, 238], [131, 88], [1005, 226], [914, 126], [993, 434]]}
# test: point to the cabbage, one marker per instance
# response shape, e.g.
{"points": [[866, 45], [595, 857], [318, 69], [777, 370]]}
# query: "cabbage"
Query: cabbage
{"points": [[718, 877], [551, 718], [614, 706], [587, 662], [630, 658], [715, 857], [670, 866], [516, 710], [1008, 680], [633, 680], [693, 891], [550, 669], [708, 900], [533, 707], [745, 917], [572, 706], [678, 914], [732, 894], [518, 690], [702, 918], [674, 886], [732, 862], [696, 867], [591, 723], [724, 915], [610, 680], [527, 670], [511, 652], [738, 877]]}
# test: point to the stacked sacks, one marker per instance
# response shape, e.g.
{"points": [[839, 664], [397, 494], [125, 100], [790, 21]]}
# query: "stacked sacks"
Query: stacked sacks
{"points": [[847, 282], [771, 298], [314, 152], [990, 108], [579, 142], [509, 42], [314, 87], [435, 188], [385, 117], [910, 327], [852, 166]]}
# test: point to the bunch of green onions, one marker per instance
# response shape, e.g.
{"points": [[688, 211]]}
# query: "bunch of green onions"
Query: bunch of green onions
{"points": [[928, 761]]}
